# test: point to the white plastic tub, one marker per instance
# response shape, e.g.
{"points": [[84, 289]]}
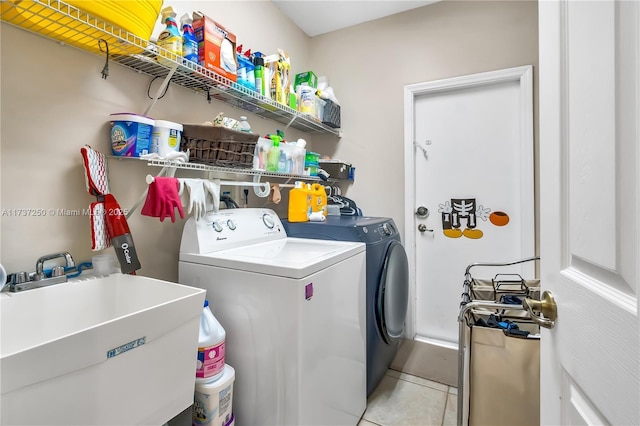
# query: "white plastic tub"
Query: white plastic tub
{"points": [[166, 137]]}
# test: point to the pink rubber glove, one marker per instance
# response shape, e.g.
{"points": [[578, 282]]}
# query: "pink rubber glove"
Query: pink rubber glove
{"points": [[152, 202], [162, 199]]}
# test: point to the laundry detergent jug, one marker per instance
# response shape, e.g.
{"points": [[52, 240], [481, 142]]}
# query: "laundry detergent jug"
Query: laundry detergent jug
{"points": [[299, 203], [319, 199], [211, 342]]}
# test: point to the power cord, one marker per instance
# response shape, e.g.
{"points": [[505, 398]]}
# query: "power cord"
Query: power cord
{"points": [[105, 69], [149, 89]]}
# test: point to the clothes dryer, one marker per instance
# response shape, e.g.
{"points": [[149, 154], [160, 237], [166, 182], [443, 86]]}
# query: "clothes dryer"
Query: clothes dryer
{"points": [[293, 311], [387, 278]]}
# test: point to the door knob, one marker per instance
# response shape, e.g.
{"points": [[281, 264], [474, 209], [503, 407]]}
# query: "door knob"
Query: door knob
{"points": [[422, 228], [422, 212], [546, 306]]}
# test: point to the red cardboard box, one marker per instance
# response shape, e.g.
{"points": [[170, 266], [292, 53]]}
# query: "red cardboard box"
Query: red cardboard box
{"points": [[216, 46]]}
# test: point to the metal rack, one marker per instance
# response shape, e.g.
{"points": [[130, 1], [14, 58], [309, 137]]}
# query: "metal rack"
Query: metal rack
{"points": [[79, 29], [499, 367], [169, 169], [257, 174]]}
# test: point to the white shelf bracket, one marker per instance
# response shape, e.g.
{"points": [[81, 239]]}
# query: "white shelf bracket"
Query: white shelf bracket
{"points": [[290, 122], [161, 89]]}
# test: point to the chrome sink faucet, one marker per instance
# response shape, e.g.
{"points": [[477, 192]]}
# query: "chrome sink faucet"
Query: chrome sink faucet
{"points": [[21, 281], [40, 263]]}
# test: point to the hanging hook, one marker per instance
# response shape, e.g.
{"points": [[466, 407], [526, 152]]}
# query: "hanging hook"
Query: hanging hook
{"points": [[423, 147], [266, 187]]}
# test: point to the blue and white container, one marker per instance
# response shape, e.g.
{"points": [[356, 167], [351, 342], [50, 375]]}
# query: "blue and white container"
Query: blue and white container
{"points": [[213, 400], [130, 134]]}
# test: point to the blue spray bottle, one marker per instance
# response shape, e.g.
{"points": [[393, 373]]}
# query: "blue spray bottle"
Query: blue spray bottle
{"points": [[189, 41]]}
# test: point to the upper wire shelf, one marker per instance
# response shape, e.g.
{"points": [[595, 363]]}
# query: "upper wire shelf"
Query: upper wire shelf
{"points": [[79, 29]]}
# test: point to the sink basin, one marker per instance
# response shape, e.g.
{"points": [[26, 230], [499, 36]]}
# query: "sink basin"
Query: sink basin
{"points": [[116, 350]]}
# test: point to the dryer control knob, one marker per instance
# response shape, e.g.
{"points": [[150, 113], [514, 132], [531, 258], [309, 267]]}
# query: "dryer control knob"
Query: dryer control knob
{"points": [[231, 224], [217, 227], [268, 221], [385, 229]]}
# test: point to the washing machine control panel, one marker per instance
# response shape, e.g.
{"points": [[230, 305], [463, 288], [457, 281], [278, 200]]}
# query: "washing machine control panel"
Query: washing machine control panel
{"points": [[387, 229], [268, 221], [230, 228]]}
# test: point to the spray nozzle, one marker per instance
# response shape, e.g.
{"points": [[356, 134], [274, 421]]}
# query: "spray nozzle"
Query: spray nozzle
{"points": [[276, 139], [186, 19], [168, 12]]}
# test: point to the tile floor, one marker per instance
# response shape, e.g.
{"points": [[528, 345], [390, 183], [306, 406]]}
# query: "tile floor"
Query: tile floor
{"points": [[402, 400], [399, 400]]}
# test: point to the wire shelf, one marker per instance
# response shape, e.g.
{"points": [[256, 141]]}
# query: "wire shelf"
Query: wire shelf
{"points": [[67, 24], [227, 170]]}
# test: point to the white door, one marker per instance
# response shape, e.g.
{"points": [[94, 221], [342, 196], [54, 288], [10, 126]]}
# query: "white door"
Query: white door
{"points": [[590, 210], [470, 168]]}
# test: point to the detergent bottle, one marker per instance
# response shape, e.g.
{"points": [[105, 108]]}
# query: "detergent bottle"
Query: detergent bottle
{"points": [[211, 346], [258, 73], [170, 38], [189, 41], [319, 199], [299, 203]]}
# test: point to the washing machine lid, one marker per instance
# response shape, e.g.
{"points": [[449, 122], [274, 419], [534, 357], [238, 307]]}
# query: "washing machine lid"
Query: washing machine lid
{"points": [[287, 257]]}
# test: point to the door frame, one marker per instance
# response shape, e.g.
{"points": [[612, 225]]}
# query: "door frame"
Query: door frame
{"points": [[524, 76]]}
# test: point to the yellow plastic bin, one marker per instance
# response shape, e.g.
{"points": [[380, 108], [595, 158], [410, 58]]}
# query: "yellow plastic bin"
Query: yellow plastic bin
{"points": [[82, 23]]}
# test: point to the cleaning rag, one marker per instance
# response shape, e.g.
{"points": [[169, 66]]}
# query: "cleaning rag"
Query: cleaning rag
{"points": [[177, 156], [97, 182], [162, 199], [274, 194]]}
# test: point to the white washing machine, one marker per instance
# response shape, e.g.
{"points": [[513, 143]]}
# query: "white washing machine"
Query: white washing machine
{"points": [[294, 314]]}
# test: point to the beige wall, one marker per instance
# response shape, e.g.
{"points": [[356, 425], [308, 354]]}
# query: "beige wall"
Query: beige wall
{"points": [[370, 64], [53, 102]]}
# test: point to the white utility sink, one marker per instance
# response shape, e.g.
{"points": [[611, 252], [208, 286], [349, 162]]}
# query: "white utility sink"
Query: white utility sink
{"points": [[116, 350]]}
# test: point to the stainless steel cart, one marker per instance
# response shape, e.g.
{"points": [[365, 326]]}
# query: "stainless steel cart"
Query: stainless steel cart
{"points": [[499, 349]]}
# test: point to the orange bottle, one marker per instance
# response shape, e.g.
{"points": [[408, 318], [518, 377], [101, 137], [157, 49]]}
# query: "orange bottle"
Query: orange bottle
{"points": [[299, 203], [319, 199]]}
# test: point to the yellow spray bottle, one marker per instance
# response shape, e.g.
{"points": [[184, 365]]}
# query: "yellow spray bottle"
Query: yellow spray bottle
{"points": [[170, 39]]}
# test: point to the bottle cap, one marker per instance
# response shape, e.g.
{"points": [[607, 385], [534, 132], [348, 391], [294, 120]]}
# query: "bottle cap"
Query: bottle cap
{"points": [[258, 61]]}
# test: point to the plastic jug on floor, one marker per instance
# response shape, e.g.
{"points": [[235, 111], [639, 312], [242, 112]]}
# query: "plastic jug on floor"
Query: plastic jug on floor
{"points": [[211, 346]]}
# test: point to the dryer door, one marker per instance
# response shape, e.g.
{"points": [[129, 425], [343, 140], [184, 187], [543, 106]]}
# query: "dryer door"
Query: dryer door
{"points": [[393, 293]]}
